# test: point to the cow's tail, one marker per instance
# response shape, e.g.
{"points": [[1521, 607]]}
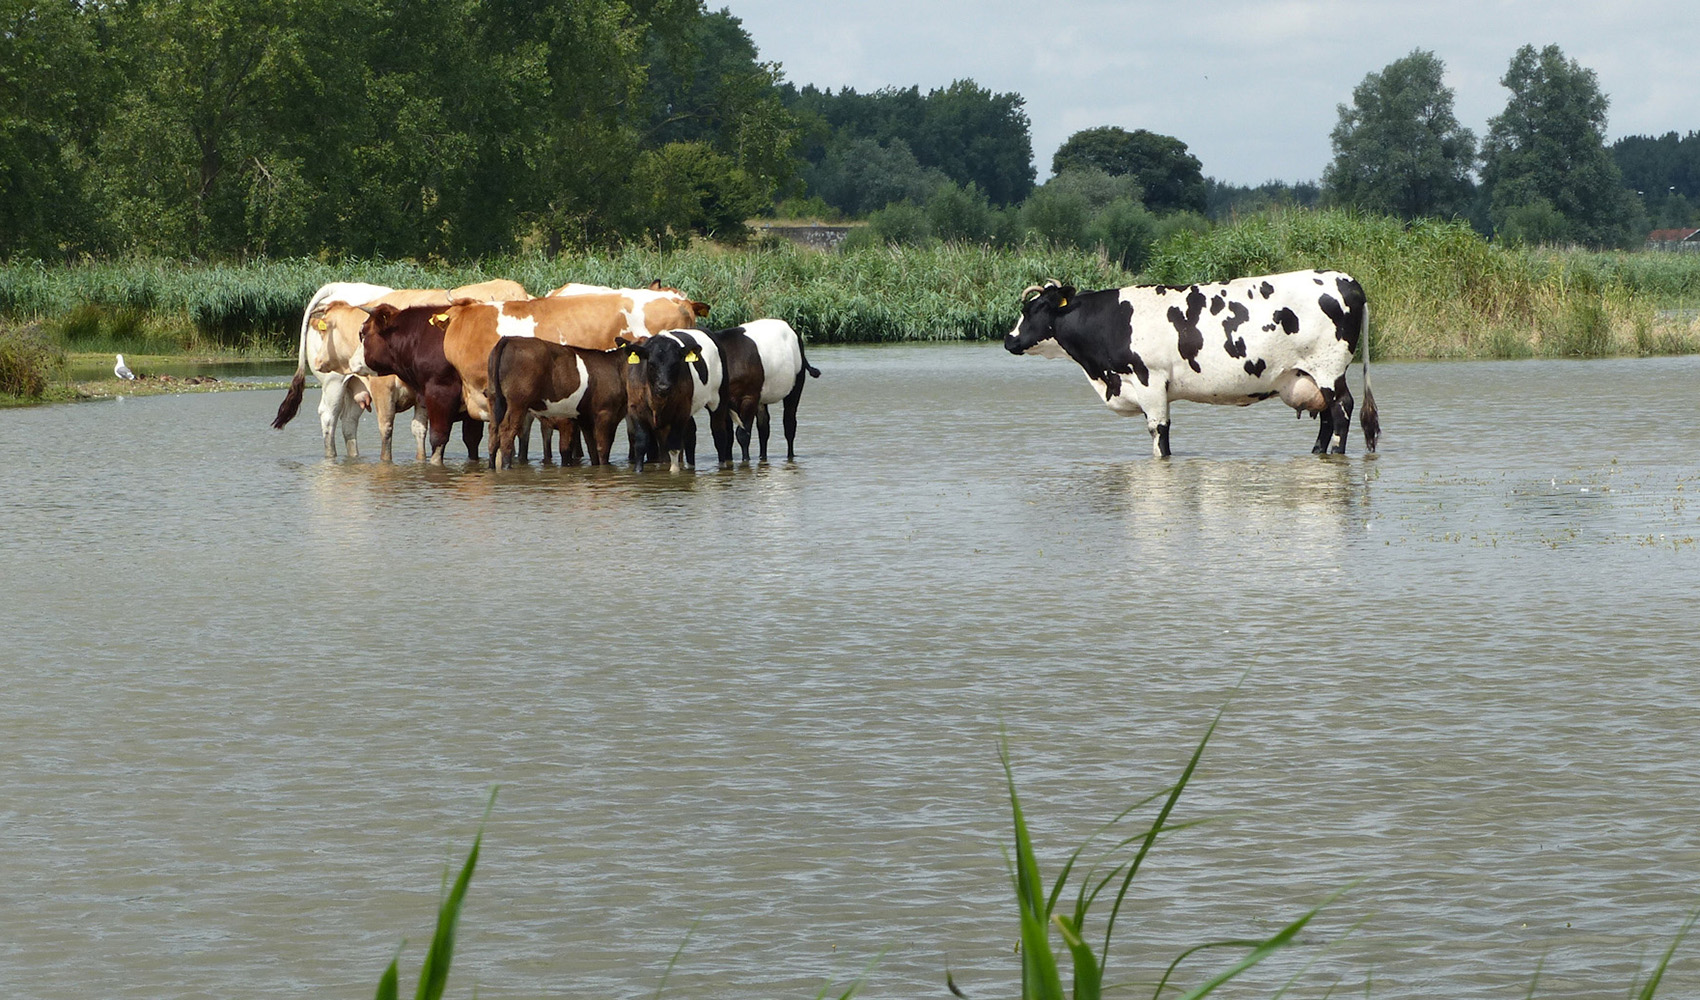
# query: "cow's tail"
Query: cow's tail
{"points": [[1368, 418], [291, 404], [811, 369], [498, 401]]}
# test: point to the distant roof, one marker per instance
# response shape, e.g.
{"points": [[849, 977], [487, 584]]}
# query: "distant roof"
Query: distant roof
{"points": [[1670, 235]]}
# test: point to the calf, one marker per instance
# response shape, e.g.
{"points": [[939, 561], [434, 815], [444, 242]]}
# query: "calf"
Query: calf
{"points": [[669, 377], [764, 364], [408, 343], [315, 353], [1288, 335], [570, 385]]}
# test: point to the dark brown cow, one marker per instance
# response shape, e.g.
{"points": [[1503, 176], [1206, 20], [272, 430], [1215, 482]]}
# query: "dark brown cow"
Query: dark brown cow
{"points": [[571, 385], [408, 343], [669, 377]]}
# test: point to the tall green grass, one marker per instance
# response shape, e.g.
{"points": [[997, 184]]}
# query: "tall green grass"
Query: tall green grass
{"points": [[1436, 289], [871, 295], [29, 364]]}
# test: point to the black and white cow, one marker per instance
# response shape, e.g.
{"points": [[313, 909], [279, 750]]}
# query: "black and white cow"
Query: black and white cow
{"points": [[1142, 347], [764, 364]]}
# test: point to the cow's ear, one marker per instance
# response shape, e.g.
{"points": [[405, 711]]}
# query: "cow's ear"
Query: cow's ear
{"points": [[1065, 296], [700, 308]]}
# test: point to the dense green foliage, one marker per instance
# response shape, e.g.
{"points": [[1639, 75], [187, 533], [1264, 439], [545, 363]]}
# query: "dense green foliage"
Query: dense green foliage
{"points": [[1399, 149], [1170, 178], [864, 151], [218, 128], [1545, 168], [1664, 172]]}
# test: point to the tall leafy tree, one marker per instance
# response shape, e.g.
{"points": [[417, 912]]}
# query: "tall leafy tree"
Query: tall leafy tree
{"points": [[1171, 178], [963, 132], [1547, 150], [1664, 172], [1398, 148], [46, 126]]}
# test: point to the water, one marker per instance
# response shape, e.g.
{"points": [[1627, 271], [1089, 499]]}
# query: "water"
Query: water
{"points": [[253, 701]]}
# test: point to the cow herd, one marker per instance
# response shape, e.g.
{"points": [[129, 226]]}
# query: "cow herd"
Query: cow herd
{"points": [[582, 360], [585, 359]]}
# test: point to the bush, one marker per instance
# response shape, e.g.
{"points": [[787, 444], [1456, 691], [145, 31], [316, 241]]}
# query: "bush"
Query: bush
{"points": [[28, 363], [961, 215], [1125, 231]]}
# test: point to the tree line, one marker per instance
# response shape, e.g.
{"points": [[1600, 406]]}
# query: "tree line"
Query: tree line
{"points": [[456, 129]]}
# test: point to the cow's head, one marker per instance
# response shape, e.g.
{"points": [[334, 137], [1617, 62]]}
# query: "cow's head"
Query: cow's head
{"points": [[374, 356], [661, 366], [1036, 332]]}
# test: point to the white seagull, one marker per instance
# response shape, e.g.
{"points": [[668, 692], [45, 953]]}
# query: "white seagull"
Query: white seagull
{"points": [[122, 370]]}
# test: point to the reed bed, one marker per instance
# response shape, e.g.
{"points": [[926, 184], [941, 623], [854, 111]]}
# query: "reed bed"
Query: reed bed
{"points": [[965, 292], [1436, 289]]}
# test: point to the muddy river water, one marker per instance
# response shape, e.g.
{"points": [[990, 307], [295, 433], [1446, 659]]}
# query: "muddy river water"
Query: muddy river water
{"points": [[253, 701]]}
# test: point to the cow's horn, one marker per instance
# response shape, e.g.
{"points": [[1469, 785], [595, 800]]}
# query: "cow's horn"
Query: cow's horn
{"points": [[1033, 289]]}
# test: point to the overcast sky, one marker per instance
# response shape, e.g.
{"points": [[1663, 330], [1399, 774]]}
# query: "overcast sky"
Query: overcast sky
{"points": [[1251, 86]]}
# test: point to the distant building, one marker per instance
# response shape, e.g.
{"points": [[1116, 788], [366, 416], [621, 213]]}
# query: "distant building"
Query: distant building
{"points": [[1674, 239]]}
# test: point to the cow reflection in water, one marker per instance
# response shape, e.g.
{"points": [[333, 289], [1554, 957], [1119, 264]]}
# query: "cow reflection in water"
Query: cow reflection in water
{"points": [[1308, 508]]}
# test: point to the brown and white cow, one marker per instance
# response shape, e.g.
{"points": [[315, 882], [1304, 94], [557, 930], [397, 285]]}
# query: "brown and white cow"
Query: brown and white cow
{"points": [[575, 387]]}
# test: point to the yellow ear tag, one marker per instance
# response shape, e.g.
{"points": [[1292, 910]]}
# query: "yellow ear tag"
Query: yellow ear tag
{"points": [[439, 319], [321, 324], [631, 359], [1062, 303], [692, 357]]}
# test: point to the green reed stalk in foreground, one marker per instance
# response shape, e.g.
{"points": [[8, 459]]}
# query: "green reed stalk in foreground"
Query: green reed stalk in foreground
{"points": [[1041, 978], [434, 974]]}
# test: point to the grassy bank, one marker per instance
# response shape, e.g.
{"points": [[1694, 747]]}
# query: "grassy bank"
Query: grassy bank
{"points": [[1437, 290]]}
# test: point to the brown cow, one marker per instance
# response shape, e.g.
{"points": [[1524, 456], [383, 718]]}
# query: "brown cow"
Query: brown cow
{"points": [[408, 343], [570, 385]]}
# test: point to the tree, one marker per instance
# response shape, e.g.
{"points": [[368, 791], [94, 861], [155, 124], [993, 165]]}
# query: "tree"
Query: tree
{"points": [[45, 126], [1171, 177], [1398, 149], [964, 133], [1549, 144]]}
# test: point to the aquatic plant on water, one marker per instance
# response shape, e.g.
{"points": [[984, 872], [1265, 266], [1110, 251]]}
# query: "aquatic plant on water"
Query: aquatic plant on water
{"points": [[1041, 975], [434, 973]]}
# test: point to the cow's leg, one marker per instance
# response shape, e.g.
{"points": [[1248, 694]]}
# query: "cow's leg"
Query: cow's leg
{"points": [[1156, 409], [331, 402], [764, 427], [383, 409], [440, 404], [421, 431], [604, 446], [1340, 413], [788, 418], [350, 425], [637, 443], [688, 444], [720, 428], [523, 439], [472, 434]]}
